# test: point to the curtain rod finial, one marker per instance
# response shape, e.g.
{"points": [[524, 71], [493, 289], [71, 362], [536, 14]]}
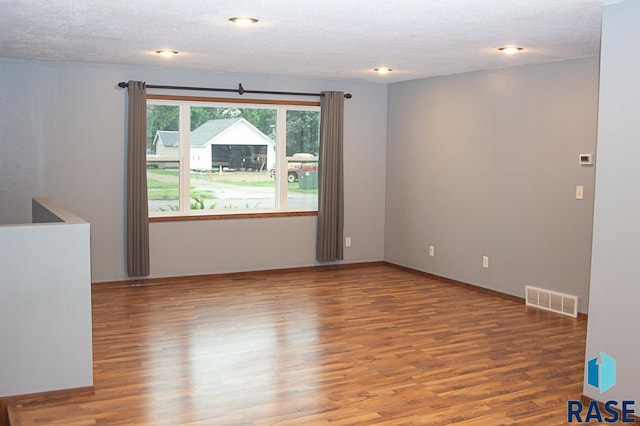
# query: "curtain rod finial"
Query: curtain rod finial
{"points": [[348, 95], [123, 84]]}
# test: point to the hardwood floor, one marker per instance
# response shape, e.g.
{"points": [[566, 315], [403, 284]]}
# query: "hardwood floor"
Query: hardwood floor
{"points": [[366, 345]]}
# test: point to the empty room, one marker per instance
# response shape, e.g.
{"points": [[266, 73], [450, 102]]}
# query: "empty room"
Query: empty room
{"points": [[349, 213]]}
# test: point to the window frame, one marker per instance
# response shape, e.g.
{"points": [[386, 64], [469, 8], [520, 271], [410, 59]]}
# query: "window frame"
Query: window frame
{"points": [[183, 158]]}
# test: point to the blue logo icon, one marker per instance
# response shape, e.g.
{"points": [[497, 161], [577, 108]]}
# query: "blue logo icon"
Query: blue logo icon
{"points": [[601, 372]]}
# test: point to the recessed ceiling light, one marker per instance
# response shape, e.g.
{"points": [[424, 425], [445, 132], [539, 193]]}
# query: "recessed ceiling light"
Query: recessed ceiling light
{"points": [[166, 53], [383, 70], [243, 20], [510, 50]]}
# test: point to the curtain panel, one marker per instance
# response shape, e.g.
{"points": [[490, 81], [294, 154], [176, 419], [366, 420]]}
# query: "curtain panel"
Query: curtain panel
{"points": [[137, 207], [330, 178]]}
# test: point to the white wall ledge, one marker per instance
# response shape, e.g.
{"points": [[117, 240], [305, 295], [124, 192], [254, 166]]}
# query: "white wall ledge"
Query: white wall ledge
{"points": [[44, 210], [45, 303]]}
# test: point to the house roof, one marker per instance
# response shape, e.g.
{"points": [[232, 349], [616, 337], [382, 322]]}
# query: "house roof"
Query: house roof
{"points": [[211, 129], [167, 138], [204, 133]]}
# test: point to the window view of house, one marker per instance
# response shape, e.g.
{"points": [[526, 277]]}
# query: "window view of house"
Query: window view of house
{"points": [[231, 158]]}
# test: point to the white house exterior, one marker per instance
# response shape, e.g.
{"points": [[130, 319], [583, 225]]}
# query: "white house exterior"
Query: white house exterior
{"points": [[246, 146]]}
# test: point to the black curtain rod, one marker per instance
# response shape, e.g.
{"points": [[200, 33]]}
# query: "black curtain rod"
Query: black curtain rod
{"points": [[240, 90]]}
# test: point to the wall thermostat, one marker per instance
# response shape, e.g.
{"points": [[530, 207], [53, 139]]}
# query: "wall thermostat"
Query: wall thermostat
{"points": [[585, 159]]}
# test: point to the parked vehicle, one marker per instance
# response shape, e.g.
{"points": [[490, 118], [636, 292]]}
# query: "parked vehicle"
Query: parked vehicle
{"points": [[297, 164]]}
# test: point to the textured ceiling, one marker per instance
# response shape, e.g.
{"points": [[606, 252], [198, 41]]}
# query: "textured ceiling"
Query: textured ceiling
{"points": [[321, 38]]}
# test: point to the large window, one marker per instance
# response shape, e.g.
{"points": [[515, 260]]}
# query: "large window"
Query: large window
{"points": [[225, 158]]}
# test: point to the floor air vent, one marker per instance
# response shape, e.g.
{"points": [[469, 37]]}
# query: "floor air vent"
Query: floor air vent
{"points": [[552, 301]]}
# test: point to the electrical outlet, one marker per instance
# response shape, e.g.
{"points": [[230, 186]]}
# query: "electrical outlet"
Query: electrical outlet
{"points": [[485, 262], [432, 251], [579, 192], [347, 242]]}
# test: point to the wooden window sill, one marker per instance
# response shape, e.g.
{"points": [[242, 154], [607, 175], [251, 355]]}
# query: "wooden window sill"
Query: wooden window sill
{"points": [[182, 218]]}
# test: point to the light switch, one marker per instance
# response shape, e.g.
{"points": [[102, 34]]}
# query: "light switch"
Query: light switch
{"points": [[579, 192]]}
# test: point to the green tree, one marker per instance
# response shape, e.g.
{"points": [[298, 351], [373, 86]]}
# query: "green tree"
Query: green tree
{"points": [[263, 119], [160, 117], [303, 128]]}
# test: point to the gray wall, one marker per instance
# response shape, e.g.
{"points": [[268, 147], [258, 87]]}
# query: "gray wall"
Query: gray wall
{"points": [[62, 137], [613, 311], [486, 164]]}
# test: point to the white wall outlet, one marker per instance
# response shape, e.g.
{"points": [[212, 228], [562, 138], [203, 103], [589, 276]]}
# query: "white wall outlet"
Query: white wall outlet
{"points": [[579, 192], [585, 159], [485, 261], [432, 251], [347, 242]]}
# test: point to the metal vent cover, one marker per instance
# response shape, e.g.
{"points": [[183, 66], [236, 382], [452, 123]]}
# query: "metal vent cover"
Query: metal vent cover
{"points": [[561, 303]]}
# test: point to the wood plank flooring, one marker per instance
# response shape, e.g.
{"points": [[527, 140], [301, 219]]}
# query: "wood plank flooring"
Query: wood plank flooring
{"points": [[358, 346]]}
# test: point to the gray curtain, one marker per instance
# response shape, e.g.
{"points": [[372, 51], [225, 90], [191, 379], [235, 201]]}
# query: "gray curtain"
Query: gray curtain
{"points": [[137, 208], [330, 178]]}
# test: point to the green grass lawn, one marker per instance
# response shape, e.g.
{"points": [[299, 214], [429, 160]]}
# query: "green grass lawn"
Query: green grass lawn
{"points": [[166, 172], [159, 190]]}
